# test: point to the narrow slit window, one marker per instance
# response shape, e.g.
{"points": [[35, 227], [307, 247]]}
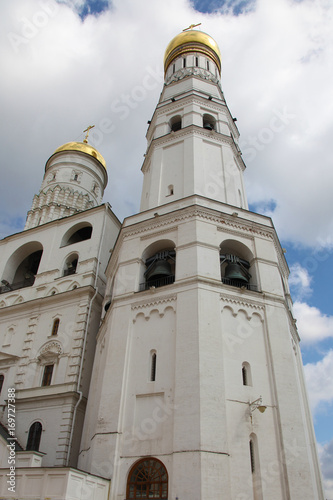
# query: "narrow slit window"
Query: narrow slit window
{"points": [[197, 61], [2, 378], [55, 326], [184, 62], [253, 468], [208, 65], [153, 367], [244, 375], [173, 68]]}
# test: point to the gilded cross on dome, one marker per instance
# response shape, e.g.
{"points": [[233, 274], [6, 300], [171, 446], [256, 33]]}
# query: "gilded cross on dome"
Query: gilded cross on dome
{"points": [[85, 140], [192, 26]]}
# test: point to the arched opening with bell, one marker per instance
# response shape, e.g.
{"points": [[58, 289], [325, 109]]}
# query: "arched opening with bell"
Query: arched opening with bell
{"points": [[237, 266], [160, 266]]}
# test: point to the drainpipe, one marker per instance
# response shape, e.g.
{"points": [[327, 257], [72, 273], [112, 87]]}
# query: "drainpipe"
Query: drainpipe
{"points": [[85, 340]]}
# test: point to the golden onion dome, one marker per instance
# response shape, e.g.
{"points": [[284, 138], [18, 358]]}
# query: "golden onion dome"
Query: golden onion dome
{"points": [[192, 41], [83, 147]]}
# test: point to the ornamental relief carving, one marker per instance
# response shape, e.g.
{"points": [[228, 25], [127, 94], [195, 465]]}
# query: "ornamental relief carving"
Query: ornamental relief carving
{"points": [[52, 349], [200, 72]]}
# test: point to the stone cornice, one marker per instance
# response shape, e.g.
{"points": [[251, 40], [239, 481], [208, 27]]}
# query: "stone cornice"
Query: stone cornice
{"points": [[209, 214], [189, 99], [29, 304]]}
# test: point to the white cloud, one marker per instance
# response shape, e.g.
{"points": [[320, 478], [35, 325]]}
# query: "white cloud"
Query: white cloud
{"points": [[312, 325], [319, 381], [300, 281]]}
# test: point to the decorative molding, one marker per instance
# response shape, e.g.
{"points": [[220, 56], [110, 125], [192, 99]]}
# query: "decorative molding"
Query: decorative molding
{"points": [[251, 304], [25, 359], [141, 308], [162, 300], [239, 228]]}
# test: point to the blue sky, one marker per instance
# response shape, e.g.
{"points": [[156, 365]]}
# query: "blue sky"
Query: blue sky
{"points": [[71, 63]]}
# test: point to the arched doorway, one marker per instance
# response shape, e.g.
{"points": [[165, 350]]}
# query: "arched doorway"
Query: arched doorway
{"points": [[148, 478]]}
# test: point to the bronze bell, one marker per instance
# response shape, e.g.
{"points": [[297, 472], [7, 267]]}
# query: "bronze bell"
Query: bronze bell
{"points": [[160, 269], [208, 126], [235, 272]]}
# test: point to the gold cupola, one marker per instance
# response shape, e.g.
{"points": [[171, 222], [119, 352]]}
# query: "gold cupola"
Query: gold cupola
{"points": [[82, 147], [192, 41]]}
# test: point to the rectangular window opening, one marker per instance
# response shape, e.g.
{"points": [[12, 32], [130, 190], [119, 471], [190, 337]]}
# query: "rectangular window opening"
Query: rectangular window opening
{"points": [[47, 375]]}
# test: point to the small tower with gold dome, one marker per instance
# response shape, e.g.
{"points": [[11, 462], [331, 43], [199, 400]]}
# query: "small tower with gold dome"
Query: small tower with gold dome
{"points": [[74, 180]]}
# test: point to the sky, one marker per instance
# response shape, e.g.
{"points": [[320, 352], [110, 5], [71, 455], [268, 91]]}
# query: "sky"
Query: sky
{"points": [[73, 63]]}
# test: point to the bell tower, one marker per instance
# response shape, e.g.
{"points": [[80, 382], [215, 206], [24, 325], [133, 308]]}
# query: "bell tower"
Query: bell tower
{"points": [[197, 389], [192, 138]]}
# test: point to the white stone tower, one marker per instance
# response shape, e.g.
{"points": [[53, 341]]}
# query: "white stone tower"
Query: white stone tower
{"points": [[51, 292], [197, 389]]}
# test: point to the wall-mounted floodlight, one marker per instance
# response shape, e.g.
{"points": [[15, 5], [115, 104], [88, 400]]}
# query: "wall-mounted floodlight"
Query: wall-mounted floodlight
{"points": [[257, 404]]}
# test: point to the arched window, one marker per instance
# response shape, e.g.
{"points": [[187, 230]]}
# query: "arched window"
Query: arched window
{"points": [[71, 265], [252, 457], [176, 123], [34, 436], [147, 479], [255, 467], [80, 232], [26, 271], [22, 266], [246, 374], [2, 378], [55, 326], [153, 359]]}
